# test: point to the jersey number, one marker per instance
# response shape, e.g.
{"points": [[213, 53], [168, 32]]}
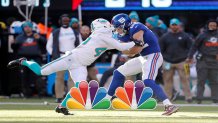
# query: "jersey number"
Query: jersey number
{"points": [[97, 50]]}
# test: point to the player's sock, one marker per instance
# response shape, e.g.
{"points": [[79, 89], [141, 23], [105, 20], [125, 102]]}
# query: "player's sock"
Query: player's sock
{"points": [[167, 102], [158, 91], [77, 84], [64, 102], [35, 67], [118, 80]]}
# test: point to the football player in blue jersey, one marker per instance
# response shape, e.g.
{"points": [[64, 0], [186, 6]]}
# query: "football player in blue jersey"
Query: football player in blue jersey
{"points": [[148, 62]]}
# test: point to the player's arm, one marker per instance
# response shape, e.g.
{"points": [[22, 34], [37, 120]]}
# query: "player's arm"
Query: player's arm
{"points": [[116, 44], [137, 37]]}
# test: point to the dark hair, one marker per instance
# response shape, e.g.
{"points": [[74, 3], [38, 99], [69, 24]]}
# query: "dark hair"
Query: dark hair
{"points": [[209, 21], [62, 16], [212, 20]]}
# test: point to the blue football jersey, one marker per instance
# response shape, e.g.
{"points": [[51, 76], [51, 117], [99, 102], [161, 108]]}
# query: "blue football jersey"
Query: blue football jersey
{"points": [[150, 40]]}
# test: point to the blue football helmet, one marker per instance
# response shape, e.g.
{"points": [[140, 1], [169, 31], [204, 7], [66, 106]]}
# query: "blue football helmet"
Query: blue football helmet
{"points": [[121, 21]]}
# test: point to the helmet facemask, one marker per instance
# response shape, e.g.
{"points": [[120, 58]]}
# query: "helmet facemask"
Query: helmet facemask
{"points": [[120, 31]]}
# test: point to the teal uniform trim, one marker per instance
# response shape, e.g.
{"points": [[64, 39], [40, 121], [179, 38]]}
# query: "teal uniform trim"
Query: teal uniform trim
{"points": [[35, 67], [64, 102]]}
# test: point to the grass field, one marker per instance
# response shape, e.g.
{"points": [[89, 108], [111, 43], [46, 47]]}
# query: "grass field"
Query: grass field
{"points": [[34, 111]]}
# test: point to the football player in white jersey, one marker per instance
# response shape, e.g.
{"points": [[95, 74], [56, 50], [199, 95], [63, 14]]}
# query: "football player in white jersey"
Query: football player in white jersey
{"points": [[76, 60]]}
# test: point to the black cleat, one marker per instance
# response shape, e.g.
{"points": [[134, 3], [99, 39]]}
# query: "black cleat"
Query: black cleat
{"points": [[15, 63], [62, 110]]}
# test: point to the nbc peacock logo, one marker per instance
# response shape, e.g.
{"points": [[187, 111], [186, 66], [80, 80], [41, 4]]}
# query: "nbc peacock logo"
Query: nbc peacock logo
{"points": [[88, 96], [134, 96]]}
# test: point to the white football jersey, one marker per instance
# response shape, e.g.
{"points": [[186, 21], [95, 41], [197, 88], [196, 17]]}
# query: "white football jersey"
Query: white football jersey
{"points": [[96, 44]]}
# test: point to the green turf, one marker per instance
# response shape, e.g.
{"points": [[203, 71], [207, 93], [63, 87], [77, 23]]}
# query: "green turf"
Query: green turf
{"points": [[38, 100], [106, 116], [40, 113]]}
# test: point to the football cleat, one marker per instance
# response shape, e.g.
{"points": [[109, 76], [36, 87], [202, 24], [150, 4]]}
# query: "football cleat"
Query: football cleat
{"points": [[170, 109], [15, 63], [63, 110]]}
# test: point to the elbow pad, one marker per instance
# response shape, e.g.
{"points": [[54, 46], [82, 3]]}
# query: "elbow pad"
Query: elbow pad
{"points": [[138, 43]]}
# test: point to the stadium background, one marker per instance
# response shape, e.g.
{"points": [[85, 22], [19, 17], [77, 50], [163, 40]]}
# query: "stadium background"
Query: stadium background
{"points": [[194, 14]]}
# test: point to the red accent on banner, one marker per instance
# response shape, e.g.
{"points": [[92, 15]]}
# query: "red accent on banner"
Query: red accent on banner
{"points": [[75, 4]]}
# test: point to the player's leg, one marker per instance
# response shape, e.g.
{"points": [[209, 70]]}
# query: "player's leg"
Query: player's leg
{"points": [[70, 82], [60, 86], [150, 70], [77, 75], [35, 67], [131, 67], [62, 63]]}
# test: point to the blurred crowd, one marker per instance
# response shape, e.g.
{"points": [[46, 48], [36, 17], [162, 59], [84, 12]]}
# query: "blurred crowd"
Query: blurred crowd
{"points": [[190, 66]]}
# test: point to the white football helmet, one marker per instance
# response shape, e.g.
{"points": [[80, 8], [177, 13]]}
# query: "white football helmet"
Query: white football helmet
{"points": [[100, 23]]}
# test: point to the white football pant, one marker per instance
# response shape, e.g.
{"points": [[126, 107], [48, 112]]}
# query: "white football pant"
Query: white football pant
{"points": [[68, 61], [148, 65]]}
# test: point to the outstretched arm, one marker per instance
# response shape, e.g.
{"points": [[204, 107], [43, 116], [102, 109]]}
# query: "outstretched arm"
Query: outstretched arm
{"points": [[116, 44]]}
